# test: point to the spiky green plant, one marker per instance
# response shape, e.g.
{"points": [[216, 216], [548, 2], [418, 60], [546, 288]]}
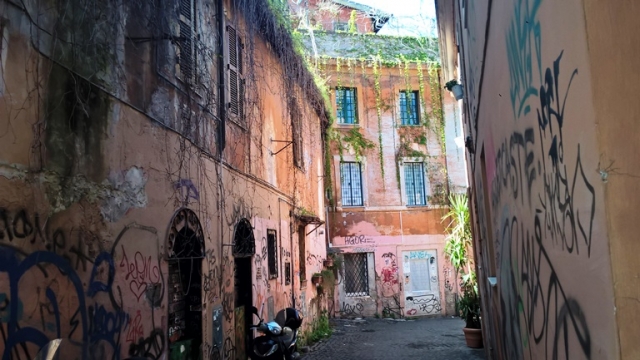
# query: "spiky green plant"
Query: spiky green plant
{"points": [[458, 230]]}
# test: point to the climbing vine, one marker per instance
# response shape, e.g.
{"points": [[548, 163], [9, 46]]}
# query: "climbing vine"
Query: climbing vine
{"points": [[352, 22], [436, 105], [357, 142], [379, 103]]}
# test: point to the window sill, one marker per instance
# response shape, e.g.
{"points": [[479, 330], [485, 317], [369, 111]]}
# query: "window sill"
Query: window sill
{"points": [[358, 296], [409, 125], [241, 124], [346, 125], [350, 208]]}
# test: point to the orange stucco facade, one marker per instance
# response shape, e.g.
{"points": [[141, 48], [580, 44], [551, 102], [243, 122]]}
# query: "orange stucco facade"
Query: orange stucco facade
{"points": [[393, 236]]}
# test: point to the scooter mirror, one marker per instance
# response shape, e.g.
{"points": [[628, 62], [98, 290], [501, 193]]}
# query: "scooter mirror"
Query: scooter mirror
{"points": [[254, 310]]}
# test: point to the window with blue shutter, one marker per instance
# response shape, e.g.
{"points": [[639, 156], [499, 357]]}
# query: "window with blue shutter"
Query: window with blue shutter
{"points": [[346, 106], [409, 102]]}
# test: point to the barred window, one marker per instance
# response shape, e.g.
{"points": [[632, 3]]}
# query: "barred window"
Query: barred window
{"points": [[351, 183], [414, 183], [356, 279], [346, 105], [272, 253], [287, 273], [409, 107]]}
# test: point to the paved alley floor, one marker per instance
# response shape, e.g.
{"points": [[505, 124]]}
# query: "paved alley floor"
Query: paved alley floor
{"points": [[378, 339]]}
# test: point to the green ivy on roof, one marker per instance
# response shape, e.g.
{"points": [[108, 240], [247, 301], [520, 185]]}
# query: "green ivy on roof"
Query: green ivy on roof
{"points": [[391, 50]]}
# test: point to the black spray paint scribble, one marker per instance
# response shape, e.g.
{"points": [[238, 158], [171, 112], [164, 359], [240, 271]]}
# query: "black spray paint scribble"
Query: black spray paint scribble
{"points": [[533, 171]]}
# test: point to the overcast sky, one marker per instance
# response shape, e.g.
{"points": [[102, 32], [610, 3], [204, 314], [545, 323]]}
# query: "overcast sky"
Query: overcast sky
{"points": [[411, 17]]}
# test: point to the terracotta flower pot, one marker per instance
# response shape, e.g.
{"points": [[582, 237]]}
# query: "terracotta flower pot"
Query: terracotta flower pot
{"points": [[473, 337], [328, 263]]}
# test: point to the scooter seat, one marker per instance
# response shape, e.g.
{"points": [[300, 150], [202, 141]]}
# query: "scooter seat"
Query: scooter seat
{"points": [[287, 336]]}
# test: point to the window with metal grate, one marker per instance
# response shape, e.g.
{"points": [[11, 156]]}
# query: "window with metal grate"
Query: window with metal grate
{"points": [[356, 277], [351, 184], [272, 253], [414, 183], [287, 273]]}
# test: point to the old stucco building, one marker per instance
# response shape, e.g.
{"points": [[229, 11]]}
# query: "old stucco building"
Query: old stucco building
{"points": [[393, 161], [159, 174], [552, 125]]}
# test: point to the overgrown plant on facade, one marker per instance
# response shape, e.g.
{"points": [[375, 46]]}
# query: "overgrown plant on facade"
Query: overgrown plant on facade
{"points": [[379, 103], [357, 142]]}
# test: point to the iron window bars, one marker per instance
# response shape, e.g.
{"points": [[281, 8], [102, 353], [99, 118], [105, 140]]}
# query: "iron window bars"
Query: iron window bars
{"points": [[414, 184], [356, 279], [351, 183]]}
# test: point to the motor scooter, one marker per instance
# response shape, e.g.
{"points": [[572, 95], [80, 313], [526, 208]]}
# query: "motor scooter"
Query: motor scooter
{"points": [[279, 336]]}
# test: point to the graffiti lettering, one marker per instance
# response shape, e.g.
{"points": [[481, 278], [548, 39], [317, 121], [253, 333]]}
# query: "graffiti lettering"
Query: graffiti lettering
{"points": [[351, 309], [357, 240]]}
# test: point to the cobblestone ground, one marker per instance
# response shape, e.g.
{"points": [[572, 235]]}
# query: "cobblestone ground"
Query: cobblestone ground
{"points": [[378, 339]]}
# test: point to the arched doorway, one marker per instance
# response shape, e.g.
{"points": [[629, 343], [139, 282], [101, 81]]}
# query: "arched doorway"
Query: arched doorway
{"points": [[244, 247], [185, 246]]}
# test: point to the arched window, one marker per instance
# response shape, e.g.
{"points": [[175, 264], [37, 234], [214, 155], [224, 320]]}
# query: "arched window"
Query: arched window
{"points": [[244, 243]]}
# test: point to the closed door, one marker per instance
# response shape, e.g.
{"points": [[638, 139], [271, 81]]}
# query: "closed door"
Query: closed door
{"points": [[421, 287]]}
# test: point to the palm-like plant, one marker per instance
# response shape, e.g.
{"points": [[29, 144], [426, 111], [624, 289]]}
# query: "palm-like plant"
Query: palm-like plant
{"points": [[457, 250], [458, 230]]}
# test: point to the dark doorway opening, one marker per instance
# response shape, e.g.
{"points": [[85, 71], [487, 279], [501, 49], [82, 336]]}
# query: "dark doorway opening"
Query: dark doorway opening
{"points": [[186, 251], [243, 249]]}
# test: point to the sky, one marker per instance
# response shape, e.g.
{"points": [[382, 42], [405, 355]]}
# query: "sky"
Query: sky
{"points": [[411, 17]]}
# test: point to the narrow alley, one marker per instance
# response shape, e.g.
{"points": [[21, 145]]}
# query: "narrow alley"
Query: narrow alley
{"points": [[371, 339]]}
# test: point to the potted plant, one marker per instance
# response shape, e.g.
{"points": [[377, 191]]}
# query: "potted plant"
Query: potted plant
{"points": [[469, 309], [328, 262], [316, 279], [455, 88]]}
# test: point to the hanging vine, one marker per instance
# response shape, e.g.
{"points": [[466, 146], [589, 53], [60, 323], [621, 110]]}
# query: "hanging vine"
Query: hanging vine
{"points": [[379, 103], [436, 105]]}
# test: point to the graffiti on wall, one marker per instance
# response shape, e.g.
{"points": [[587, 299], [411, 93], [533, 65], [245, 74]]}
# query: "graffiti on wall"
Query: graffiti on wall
{"points": [[391, 307], [53, 280], [534, 170], [348, 309], [357, 240], [429, 304]]}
